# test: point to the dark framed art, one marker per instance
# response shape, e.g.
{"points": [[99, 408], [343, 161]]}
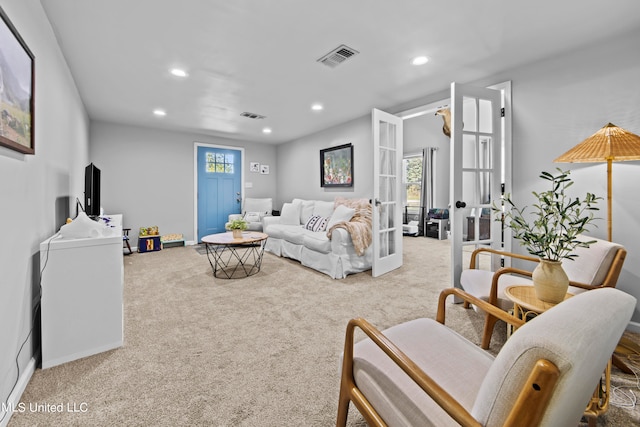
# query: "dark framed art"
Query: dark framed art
{"points": [[336, 166], [16, 89]]}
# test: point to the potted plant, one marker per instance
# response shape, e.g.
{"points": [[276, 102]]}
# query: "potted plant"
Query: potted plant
{"points": [[553, 234], [237, 226]]}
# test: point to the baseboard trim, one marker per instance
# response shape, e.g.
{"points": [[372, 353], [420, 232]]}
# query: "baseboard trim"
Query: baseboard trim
{"points": [[14, 399], [634, 327]]}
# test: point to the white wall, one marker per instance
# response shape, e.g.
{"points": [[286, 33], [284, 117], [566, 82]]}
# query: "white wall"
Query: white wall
{"points": [[557, 103], [37, 192], [299, 160], [148, 174], [426, 131], [560, 102]]}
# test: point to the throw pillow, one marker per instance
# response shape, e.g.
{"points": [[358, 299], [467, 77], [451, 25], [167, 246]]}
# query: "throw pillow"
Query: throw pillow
{"points": [[253, 216], [323, 208], [316, 223], [340, 214], [306, 210], [290, 214]]}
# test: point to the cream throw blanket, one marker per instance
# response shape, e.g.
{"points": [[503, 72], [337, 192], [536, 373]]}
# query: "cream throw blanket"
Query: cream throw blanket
{"points": [[360, 225]]}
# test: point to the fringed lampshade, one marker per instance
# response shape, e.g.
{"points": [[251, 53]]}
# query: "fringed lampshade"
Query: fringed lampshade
{"points": [[609, 144]]}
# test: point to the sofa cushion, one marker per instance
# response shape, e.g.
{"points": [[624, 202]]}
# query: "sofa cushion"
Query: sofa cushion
{"points": [[306, 210], [340, 214], [322, 208], [277, 231], [294, 235], [316, 223], [318, 242], [290, 214]]}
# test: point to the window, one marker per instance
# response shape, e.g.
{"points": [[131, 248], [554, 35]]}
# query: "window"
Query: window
{"points": [[219, 163], [412, 184]]}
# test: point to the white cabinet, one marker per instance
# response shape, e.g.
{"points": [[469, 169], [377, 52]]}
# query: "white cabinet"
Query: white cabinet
{"points": [[81, 300]]}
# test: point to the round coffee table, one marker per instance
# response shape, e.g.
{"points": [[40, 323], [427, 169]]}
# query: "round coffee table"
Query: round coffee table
{"points": [[234, 258]]}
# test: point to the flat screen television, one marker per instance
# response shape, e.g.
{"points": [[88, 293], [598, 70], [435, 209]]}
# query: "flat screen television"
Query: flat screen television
{"points": [[92, 191]]}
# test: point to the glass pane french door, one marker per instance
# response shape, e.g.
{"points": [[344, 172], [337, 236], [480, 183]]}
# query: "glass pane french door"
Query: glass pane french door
{"points": [[387, 185], [476, 170]]}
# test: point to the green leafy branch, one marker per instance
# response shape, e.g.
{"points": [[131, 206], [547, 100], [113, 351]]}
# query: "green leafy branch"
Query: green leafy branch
{"points": [[558, 219]]}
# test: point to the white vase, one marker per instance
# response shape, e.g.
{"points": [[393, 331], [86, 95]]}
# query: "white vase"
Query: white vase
{"points": [[550, 281], [237, 234]]}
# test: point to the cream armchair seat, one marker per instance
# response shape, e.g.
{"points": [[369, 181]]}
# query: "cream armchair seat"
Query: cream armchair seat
{"points": [[421, 373], [597, 266], [253, 211]]}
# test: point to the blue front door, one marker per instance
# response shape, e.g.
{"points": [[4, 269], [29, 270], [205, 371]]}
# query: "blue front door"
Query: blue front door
{"points": [[219, 181]]}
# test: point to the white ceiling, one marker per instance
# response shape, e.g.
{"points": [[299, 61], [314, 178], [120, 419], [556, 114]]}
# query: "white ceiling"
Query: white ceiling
{"points": [[259, 56]]}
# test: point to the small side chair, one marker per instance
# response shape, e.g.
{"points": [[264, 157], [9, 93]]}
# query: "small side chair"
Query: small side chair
{"points": [[597, 266], [422, 373], [125, 240], [253, 211]]}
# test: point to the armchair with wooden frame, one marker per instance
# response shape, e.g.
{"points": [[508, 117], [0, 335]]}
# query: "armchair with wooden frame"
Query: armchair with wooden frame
{"points": [[597, 266], [423, 373]]}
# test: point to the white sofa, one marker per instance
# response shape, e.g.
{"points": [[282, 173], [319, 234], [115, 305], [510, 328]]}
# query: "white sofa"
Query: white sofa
{"points": [[294, 235]]}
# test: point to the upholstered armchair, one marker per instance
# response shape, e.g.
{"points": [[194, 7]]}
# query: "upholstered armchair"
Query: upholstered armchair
{"points": [[253, 210], [422, 373], [597, 266]]}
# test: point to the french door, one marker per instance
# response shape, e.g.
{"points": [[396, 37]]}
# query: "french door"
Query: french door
{"points": [[476, 173], [387, 184]]}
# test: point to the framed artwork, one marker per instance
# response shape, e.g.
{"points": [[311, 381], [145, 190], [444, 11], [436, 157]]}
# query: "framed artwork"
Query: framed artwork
{"points": [[254, 167], [264, 169], [336, 166], [16, 89]]}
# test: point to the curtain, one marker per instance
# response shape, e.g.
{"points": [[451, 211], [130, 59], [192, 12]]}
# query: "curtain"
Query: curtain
{"points": [[427, 197]]}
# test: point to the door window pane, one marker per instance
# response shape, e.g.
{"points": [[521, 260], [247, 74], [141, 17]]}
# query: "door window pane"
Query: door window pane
{"points": [[219, 163], [469, 116], [485, 114]]}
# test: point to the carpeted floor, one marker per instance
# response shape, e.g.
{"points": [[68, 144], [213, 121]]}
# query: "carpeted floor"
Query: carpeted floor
{"points": [[260, 351]]}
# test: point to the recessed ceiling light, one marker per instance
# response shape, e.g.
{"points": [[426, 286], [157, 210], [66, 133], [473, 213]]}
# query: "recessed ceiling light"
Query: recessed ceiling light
{"points": [[420, 60], [159, 112], [317, 107], [266, 130], [178, 72]]}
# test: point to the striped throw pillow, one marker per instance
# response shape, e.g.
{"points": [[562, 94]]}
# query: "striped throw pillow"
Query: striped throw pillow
{"points": [[316, 223]]}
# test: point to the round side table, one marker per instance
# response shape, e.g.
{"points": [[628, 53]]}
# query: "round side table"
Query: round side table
{"points": [[525, 303]]}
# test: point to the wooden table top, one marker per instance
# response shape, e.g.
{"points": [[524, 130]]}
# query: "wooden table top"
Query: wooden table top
{"points": [[525, 297], [227, 238]]}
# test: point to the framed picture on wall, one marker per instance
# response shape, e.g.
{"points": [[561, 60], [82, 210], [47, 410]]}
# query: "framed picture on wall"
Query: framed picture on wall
{"points": [[336, 166], [16, 89]]}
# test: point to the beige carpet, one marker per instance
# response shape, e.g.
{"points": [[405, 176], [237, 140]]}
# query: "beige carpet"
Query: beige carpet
{"points": [[260, 351]]}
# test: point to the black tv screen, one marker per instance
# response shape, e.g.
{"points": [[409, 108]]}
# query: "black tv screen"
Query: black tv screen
{"points": [[92, 191]]}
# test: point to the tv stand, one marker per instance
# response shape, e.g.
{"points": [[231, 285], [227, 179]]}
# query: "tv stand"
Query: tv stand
{"points": [[81, 301]]}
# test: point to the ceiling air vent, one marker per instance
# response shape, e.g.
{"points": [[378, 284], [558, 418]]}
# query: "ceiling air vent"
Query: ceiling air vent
{"points": [[252, 115], [337, 56]]}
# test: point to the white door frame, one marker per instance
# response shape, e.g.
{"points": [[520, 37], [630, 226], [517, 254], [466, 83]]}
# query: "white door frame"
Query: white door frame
{"points": [[507, 148]]}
